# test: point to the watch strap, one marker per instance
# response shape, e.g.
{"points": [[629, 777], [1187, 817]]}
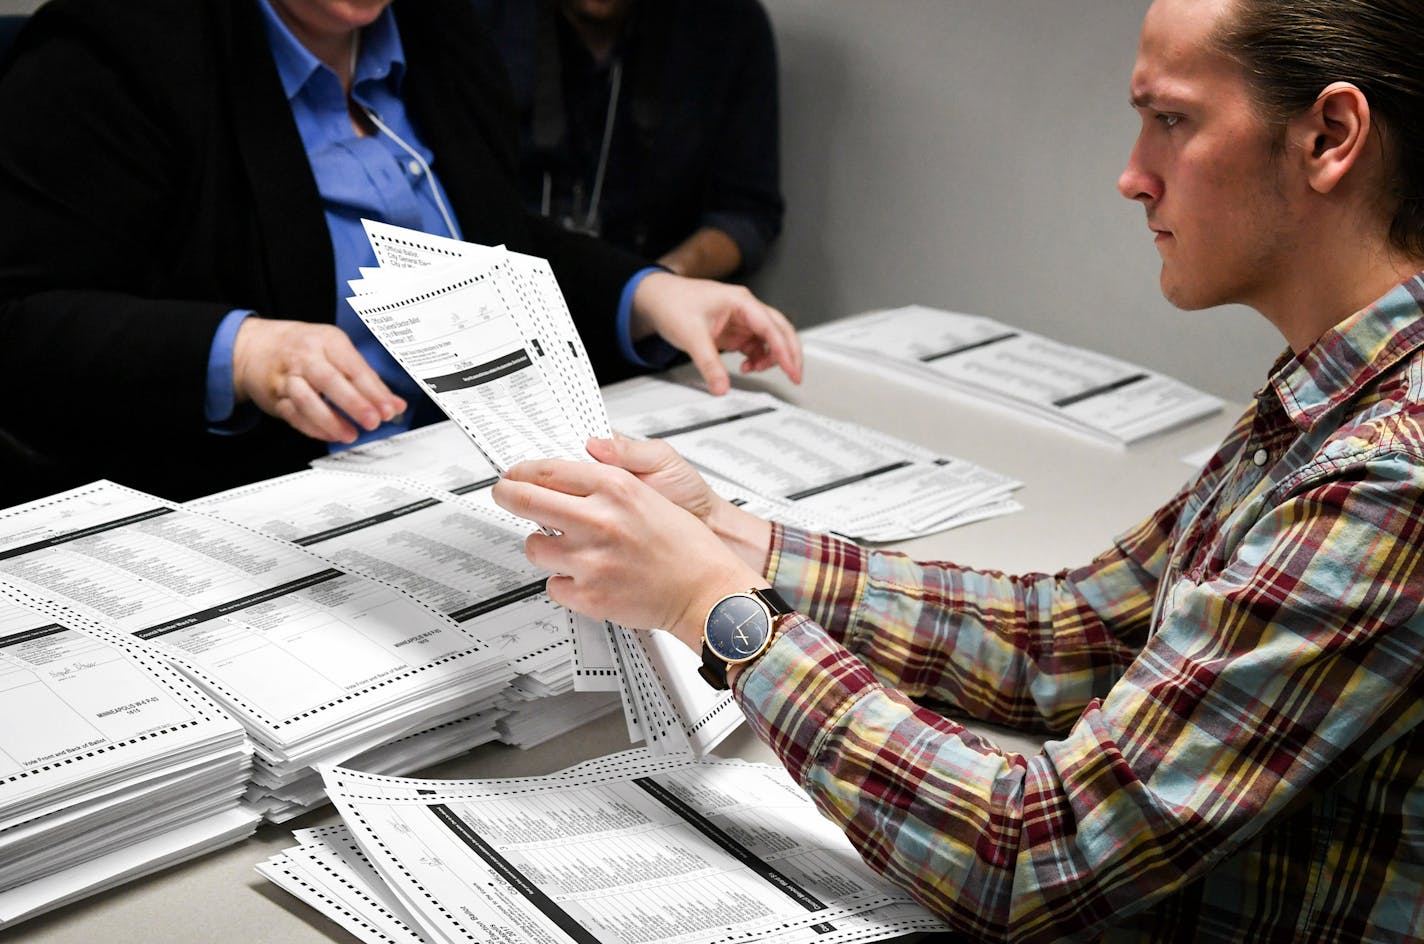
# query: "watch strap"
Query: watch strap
{"points": [[774, 602], [713, 670]]}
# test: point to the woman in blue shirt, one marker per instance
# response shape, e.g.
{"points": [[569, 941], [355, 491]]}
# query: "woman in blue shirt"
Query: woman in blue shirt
{"points": [[180, 181]]}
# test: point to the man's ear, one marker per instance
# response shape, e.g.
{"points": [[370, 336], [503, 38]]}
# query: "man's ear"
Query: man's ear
{"points": [[1331, 137]]}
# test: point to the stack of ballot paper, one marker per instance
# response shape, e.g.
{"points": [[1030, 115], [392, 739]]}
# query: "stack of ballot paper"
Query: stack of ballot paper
{"points": [[319, 663], [439, 456], [1079, 389], [112, 764], [462, 556], [455, 551], [624, 848], [796, 466], [537, 721]]}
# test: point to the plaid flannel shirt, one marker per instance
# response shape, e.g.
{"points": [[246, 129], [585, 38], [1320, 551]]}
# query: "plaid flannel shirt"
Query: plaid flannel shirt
{"points": [[1236, 689]]}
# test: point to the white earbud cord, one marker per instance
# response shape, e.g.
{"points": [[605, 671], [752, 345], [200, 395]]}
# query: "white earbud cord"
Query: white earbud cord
{"points": [[414, 154]]}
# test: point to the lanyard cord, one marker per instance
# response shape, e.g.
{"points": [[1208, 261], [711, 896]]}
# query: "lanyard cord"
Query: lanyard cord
{"points": [[597, 195], [590, 219]]}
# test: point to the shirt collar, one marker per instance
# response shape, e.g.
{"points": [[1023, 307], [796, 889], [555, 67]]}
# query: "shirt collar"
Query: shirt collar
{"points": [[381, 52], [1349, 356]]}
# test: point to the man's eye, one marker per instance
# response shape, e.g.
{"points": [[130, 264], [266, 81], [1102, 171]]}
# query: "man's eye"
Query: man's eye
{"points": [[1169, 121]]}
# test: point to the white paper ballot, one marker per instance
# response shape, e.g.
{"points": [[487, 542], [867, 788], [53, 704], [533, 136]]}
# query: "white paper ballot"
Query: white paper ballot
{"points": [[480, 331], [1077, 388], [329, 871], [463, 559], [464, 345], [850, 479], [90, 707], [627, 848], [439, 456]]}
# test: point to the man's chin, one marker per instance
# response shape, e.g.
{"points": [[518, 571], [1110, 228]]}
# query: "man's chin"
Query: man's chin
{"points": [[1184, 297]]}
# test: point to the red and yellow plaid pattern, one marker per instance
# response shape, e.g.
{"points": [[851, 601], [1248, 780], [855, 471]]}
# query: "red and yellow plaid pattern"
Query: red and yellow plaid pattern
{"points": [[1235, 689]]}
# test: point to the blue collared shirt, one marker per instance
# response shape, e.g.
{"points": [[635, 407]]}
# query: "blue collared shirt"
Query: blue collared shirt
{"points": [[375, 177]]}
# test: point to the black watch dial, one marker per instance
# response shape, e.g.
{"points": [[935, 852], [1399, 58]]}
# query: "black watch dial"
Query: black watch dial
{"points": [[737, 628]]}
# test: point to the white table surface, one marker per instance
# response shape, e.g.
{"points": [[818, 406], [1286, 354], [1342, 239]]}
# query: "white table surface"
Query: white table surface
{"points": [[1078, 493]]}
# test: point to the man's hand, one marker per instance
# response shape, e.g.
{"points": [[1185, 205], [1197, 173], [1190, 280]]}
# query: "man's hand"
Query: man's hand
{"points": [[702, 318], [658, 465], [622, 552], [304, 373]]}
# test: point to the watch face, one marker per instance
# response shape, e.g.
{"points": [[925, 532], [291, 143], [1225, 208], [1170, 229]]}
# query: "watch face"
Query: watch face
{"points": [[737, 628]]}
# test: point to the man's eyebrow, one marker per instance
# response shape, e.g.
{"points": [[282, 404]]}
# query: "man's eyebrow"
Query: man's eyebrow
{"points": [[1156, 100]]}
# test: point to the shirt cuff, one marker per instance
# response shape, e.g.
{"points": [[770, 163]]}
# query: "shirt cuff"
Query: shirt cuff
{"points": [[220, 403], [817, 574], [797, 692], [652, 351], [751, 244]]}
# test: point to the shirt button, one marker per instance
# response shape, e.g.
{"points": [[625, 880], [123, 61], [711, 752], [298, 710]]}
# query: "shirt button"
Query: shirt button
{"points": [[1260, 457], [413, 166]]}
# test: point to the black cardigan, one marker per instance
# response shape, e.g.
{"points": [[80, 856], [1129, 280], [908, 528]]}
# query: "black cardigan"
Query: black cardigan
{"points": [[152, 179]]}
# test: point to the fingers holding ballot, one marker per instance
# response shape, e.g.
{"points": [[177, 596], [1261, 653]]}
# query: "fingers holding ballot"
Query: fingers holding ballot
{"points": [[701, 318], [660, 466], [623, 551]]}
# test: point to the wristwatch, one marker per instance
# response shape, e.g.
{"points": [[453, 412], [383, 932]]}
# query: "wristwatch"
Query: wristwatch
{"points": [[739, 627]]}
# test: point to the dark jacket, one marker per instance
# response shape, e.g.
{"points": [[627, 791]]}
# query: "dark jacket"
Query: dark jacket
{"points": [[152, 179], [695, 136]]}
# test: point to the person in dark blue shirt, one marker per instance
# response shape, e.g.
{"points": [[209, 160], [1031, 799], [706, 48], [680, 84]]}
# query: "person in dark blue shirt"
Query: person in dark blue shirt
{"points": [[651, 124]]}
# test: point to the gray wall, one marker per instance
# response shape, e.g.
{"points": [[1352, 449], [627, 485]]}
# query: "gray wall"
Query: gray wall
{"points": [[963, 154]]}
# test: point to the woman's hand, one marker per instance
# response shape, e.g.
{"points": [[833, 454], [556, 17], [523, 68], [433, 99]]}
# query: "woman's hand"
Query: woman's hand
{"points": [[309, 375]]}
